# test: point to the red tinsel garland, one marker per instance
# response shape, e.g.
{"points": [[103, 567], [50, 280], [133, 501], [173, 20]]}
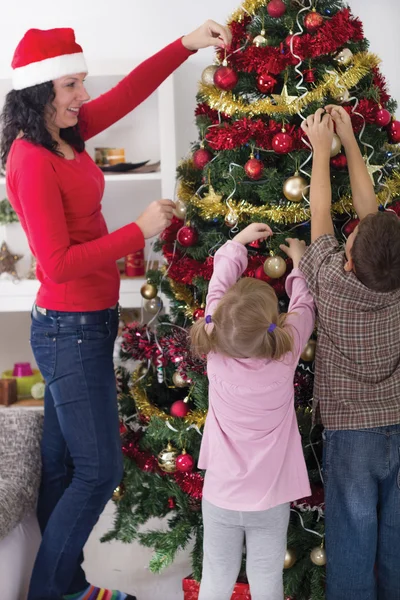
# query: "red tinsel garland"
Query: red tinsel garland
{"points": [[334, 34], [231, 136], [380, 83], [190, 483], [203, 109]]}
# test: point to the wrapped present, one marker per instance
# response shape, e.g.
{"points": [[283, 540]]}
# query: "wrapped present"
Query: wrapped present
{"points": [[190, 587], [8, 391]]}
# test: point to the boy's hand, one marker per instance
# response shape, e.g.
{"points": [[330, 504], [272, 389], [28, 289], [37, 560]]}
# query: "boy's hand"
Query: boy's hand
{"points": [[253, 232], [319, 129], [295, 250], [344, 126]]}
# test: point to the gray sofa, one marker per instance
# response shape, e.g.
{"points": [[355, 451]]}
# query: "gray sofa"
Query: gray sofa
{"points": [[20, 469]]}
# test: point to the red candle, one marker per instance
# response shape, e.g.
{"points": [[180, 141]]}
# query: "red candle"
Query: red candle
{"points": [[134, 264]]}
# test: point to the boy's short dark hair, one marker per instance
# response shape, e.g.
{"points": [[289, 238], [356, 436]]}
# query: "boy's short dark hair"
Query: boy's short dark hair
{"points": [[376, 252]]}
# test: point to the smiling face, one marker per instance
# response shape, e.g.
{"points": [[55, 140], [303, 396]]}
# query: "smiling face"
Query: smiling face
{"points": [[70, 94]]}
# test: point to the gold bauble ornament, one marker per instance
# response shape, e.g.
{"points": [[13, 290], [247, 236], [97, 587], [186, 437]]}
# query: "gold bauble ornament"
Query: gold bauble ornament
{"points": [[336, 145], [167, 459], [318, 556], [148, 291], [308, 354], [275, 267], [260, 40], [295, 187], [180, 210], [344, 57], [207, 76], [290, 558], [153, 305], [342, 96], [178, 380], [118, 493], [231, 219]]}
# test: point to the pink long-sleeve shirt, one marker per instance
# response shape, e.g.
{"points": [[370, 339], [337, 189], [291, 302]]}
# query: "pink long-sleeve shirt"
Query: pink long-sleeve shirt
{"points": [[251, 447]]}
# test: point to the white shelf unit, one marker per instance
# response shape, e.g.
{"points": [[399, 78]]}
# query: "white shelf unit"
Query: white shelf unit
{"points": [[154, 123], [19, 295]]}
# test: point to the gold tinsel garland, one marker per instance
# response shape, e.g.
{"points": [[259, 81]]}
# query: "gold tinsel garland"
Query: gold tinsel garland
{"points": [[248, 7], [183, 294], [292, 213], [333, 83], [147, 409]]}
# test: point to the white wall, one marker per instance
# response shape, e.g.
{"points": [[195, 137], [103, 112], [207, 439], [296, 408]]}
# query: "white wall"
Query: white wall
{"points": [[132, 31]]}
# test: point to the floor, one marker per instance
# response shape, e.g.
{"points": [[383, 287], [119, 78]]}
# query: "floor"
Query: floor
{"points": [[125, 566]]}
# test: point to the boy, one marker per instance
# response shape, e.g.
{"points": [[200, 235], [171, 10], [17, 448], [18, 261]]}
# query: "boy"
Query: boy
{"points": [[357, 378]]}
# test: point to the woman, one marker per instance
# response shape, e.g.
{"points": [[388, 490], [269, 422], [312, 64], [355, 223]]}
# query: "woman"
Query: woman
{"points": [[56, 190]]}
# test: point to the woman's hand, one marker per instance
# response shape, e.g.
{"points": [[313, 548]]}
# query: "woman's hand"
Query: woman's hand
{"points": [[253, 232], [157, 216], [208, 34]]}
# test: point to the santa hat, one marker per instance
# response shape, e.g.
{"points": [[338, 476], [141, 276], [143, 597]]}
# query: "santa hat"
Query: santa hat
{"points": [[46, 54]]}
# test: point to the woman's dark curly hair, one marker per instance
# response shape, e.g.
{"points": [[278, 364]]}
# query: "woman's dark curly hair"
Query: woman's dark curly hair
{"points": [[24, 111]]}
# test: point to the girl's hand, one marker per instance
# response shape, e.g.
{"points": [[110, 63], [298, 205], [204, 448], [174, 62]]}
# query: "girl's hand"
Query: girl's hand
{"points": [[208, 34], [253, 232], [295, 250], [319, 129]]}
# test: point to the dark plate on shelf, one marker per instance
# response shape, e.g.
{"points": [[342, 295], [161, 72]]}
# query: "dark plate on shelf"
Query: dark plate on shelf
{"points": [[123, 167]]}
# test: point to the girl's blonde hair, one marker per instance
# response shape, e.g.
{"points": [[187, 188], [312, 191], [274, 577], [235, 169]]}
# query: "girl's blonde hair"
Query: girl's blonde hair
{"points": [[241, 323]]}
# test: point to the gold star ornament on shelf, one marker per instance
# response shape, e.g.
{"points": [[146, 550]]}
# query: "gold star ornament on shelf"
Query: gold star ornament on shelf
{"points": [[284, 98], [372, 169], [8, 260]]}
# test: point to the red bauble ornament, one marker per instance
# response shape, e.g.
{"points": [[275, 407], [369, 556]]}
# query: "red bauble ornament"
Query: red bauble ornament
{"points": [[184, 463], [122, 428], [266, 83], [171, 503], [225, 78], [198, 314], [257, 244], [339, 161], [276, 8], [254, 168], [296, 42], [383, 117], [313, 21], [187, 236], [201, 158], [179, 409], [350, 227], [394, 132], [282, 143], [261, 274]]}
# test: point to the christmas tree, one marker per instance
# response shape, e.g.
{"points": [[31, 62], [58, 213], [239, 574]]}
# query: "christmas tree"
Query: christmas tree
{"points": [[250, 163]]}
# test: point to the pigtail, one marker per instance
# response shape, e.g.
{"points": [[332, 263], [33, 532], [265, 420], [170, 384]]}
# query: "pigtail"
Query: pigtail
{"points": [[281, 338], [202, 341]]}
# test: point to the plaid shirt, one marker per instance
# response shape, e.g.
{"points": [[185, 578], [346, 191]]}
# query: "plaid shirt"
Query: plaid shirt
{"points": [[357, 368]]}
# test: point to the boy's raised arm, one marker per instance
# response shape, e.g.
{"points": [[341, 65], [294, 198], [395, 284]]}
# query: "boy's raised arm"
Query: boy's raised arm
{"points": [[364, 198], [319, 129]]}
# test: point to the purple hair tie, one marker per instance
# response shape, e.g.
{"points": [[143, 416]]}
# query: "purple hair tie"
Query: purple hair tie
{"points": [[272, 328], [208, 319]]}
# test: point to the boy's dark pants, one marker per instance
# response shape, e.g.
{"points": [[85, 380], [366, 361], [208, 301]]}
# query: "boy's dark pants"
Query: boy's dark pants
{"points": [[362, 496]]}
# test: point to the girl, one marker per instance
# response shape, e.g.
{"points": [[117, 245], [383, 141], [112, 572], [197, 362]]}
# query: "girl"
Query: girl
{"points": [[251, 447], [56, 190]]}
